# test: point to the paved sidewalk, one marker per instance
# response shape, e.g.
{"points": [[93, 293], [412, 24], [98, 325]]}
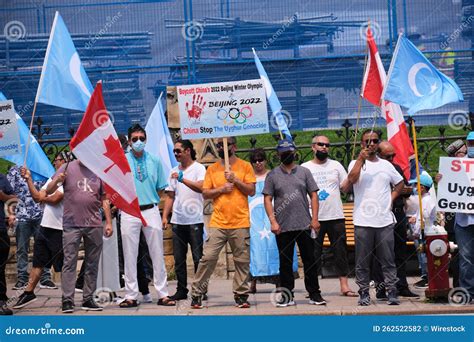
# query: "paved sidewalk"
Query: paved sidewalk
{"points": [[221, 303]]}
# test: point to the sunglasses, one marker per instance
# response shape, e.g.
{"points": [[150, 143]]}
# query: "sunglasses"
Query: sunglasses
{"points": [[135, 139], [177, 151], [221, 145], [320, 144], [375, 141], [258, 161]]}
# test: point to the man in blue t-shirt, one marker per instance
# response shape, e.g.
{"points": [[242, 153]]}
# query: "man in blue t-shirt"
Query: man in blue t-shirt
{"points": [[149, 180]]}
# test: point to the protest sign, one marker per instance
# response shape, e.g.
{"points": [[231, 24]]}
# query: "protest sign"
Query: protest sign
{"points": [[456, 187], [225, 109], [9, 136]]}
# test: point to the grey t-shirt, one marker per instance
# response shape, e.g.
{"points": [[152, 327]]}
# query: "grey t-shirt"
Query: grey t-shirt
{"points": [[290, 194], [83, 192]]}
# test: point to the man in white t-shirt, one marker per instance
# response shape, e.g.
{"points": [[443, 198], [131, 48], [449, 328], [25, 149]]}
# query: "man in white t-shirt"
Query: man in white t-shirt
{"points": [[331, 178], [186, 203], [373, 180], [48, 247]]}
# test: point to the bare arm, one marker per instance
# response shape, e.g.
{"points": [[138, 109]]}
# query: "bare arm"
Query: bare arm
{"points": [[108, 230], [248, 189], [346, 186], [214, 193], [397, 190], [267, 202], [4, 197], [194, 186], [170, 195], [354, 174], [51, 199]]}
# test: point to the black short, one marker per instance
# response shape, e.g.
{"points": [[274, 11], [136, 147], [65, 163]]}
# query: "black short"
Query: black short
{"points": [[48, 248]]}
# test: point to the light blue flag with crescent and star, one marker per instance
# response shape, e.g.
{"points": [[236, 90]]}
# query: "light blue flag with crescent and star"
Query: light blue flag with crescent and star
{"points": [[272, 98], [63, 82], [413, 82], [159, 140], [37, 161]]}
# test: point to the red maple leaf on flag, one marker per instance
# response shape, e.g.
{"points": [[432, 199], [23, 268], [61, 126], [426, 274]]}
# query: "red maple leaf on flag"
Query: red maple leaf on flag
{"points": [[114, 148]]}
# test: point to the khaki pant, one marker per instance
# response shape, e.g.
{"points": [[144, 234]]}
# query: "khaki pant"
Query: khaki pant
{"points": [[239, 241]]}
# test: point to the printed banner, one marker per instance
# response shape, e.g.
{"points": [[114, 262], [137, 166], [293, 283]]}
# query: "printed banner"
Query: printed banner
{"points": [[9, 136], [456, 187], [225, 109]]}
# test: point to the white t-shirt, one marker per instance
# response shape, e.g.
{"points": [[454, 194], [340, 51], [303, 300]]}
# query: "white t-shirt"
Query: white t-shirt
{"points": [[188, 205], [53, 214], [429, 213], [329, 177], [372, 193]]}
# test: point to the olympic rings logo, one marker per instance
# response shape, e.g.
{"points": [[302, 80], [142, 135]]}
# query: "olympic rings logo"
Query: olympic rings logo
{"points": [[236, 115]]}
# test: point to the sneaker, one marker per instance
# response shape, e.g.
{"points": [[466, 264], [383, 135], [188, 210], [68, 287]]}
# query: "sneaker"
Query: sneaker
{"points": [[25, 299], [196, 302], [407, 293], [316, 299], [48, 284], [381, 294], [147, 298], [283, 302], [204, 296], [179, 296], [241, 302], [364, 299], [421, 284], [393, 299], [20, 285], [4, 310], [78, 290], [68, 307], [91, 305]]}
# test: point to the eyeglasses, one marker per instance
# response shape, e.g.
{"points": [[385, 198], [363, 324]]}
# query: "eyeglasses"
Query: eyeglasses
{"points": [[177, 151], [375, 141], [320, 144], [135, 139], [258, 161]]}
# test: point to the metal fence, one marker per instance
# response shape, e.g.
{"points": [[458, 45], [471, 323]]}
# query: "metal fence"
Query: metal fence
{"points": [[313, 51]]}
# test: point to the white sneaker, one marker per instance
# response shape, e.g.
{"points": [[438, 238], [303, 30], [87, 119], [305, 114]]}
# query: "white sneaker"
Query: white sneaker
{"points": [[147, 298]]}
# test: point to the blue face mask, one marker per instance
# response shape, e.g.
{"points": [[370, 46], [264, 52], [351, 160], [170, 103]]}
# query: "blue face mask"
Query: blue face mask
{"points": [[470, 151], [138, 146]]}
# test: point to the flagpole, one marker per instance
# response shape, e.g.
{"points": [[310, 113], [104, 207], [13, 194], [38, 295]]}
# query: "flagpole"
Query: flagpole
{"points": [[40, 84], [418, 186], [360, 98], [392, 63]]}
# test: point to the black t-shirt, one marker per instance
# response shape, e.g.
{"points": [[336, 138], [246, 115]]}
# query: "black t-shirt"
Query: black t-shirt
{"points": [[7, 189], [399, 204]]}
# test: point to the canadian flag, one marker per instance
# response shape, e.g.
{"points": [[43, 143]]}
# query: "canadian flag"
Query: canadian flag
{"points": [[372, 87], [97, 146]]}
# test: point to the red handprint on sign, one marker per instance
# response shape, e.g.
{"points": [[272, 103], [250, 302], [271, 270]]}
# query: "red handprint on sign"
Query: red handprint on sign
{"points": [[198, 104]]}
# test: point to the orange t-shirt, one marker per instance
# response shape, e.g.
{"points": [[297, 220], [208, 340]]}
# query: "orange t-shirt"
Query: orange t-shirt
{"points": [[230, 210]]}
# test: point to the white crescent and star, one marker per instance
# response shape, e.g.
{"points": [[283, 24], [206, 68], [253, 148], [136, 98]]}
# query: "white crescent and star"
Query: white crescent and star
{"points": [[414, 70], [75, 70]]}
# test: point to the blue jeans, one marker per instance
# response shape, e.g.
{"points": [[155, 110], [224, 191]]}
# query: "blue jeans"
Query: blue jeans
{"points": [[24, 231], [465, 241], [422, 260]]}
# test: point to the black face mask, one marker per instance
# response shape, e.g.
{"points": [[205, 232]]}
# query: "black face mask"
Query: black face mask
{"points": [[221, 153], [287, 158], [321, 155]]}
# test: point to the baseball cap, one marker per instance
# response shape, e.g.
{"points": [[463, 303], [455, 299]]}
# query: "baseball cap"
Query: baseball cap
{"points": [[470, 136], [285, 145], [425, 180]]}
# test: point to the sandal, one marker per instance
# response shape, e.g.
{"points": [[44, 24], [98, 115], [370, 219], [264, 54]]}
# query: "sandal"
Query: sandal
{"points": [[129, 303], [167, 301], [349, 293]]}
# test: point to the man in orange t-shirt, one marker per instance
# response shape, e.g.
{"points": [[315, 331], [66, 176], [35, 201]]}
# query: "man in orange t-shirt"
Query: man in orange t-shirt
{"points": [[230, 222]]}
